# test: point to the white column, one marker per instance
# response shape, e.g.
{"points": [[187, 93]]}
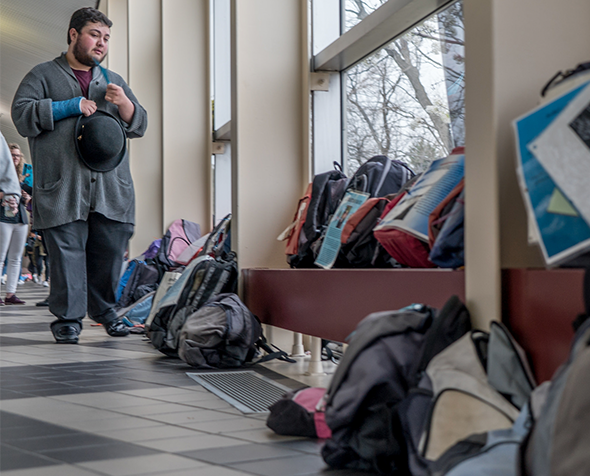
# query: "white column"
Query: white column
{"points": [[145, 79], [512, 49], [118, 58], [186, 108], [297, 350], [315, 366], [268, 103]]}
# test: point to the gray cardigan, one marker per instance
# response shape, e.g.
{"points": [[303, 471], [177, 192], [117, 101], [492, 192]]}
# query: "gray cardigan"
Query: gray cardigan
{"points": [[65, 190]]}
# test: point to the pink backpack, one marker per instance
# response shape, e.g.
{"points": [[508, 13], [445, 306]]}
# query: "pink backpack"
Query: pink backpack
{"points": [[180, 234], [300, 413]]}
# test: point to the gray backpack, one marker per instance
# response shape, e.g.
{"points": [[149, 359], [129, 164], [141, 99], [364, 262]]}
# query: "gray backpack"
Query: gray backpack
{"points": [[559, 442], [202, 279], [223, 333], [386, 352], [494, 453], [476, 385]]}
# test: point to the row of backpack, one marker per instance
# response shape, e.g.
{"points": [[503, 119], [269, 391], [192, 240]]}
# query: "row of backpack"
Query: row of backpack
{"points": [[185, 290], [366, 240], [141, 276], [445, 400]]}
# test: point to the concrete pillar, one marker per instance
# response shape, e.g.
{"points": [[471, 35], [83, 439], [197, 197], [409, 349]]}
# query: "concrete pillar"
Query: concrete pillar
{"points": [[268, 103], [145, 78], [512, 49], [186, 107]]}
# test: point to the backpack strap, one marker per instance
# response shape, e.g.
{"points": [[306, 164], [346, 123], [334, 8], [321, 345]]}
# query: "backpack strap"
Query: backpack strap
{"points": [[271, 354], [384, 172]]}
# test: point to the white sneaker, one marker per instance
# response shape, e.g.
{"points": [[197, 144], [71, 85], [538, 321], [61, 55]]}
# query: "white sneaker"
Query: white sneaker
{"points": [[36, 279], [46, 284], [3, 279]]}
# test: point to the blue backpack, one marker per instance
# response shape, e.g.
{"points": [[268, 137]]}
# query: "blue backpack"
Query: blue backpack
{"points": [[446, 231]]}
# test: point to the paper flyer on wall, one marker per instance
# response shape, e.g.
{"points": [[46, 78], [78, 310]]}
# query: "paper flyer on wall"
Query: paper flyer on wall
{"points": [[330, 248], [412, 211], [556, 224], [563, 149]]}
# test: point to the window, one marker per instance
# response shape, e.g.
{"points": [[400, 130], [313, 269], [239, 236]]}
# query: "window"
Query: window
{"points": [[357, 10], [400, 86], [406, 100], [221, 106]]}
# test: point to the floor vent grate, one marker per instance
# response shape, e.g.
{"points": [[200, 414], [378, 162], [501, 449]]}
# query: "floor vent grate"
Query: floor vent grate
{"points": [[247, 390]]}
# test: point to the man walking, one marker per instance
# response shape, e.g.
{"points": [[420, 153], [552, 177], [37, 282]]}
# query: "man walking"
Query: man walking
{"points": [[77, 116]]}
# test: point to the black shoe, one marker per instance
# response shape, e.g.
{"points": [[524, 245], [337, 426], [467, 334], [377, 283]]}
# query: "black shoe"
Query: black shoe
{"points": [[116, 328], [43, 303], [66, 335]]}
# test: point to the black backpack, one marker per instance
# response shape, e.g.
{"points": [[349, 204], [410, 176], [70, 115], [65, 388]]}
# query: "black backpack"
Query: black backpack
{"points": [[143, 278], [204, 278], [386, 355], [327, 191], [223, 333], [380, 176], [218, 242]]}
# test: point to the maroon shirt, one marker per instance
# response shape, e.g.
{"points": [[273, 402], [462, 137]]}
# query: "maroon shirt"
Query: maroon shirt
{"points": [[84, 78]]}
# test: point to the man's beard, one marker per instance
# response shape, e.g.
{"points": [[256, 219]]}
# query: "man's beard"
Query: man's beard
{"points": [[83, 57]]}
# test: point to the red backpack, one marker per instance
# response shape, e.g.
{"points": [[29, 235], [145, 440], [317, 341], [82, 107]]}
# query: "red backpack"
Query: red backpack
{"points": [[406, 249], [291, 234], [358, 242]]}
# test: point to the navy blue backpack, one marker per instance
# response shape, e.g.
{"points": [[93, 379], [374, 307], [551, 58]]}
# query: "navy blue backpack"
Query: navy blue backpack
{"points": [[446, 231]]}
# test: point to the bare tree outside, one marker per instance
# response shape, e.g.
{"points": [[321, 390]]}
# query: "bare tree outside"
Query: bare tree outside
{"points": [[406, 100]]}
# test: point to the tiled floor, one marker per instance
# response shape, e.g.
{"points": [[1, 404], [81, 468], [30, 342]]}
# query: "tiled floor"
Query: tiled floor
{"points": [[116, 406]]}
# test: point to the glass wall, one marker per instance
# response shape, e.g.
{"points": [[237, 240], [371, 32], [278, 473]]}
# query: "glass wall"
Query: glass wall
{"points": [[220, 24], [354, 11], [406, 100]]}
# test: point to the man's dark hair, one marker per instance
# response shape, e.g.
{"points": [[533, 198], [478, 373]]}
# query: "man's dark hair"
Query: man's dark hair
{"points": [[86, 15]]}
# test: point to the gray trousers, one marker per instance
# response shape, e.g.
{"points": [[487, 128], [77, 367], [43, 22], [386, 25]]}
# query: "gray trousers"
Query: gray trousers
{"points": [[85, 259]]}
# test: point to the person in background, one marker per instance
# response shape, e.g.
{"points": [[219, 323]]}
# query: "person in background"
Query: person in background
{"points": [[84, 201], [25, 177], [9, 188], [9, 183], [14, 225], [39, 258]]}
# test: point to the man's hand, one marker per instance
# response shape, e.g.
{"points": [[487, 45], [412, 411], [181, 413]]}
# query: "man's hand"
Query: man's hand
{"points": [[88, 107], [117, 96]]}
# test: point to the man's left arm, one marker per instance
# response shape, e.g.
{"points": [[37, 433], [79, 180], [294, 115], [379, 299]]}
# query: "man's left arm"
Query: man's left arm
{"points": [[117, 96], [130, 111]]}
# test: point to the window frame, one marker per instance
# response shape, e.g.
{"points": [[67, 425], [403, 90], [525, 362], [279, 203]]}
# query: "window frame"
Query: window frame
{"points": [[388, 22]]}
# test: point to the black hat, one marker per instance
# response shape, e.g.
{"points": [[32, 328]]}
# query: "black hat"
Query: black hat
{"points": [[100, 141]]}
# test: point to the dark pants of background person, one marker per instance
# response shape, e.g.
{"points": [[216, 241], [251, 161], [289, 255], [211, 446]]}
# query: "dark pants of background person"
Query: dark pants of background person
{"points": [[36, 261], [39, 260], [85, 258]]}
